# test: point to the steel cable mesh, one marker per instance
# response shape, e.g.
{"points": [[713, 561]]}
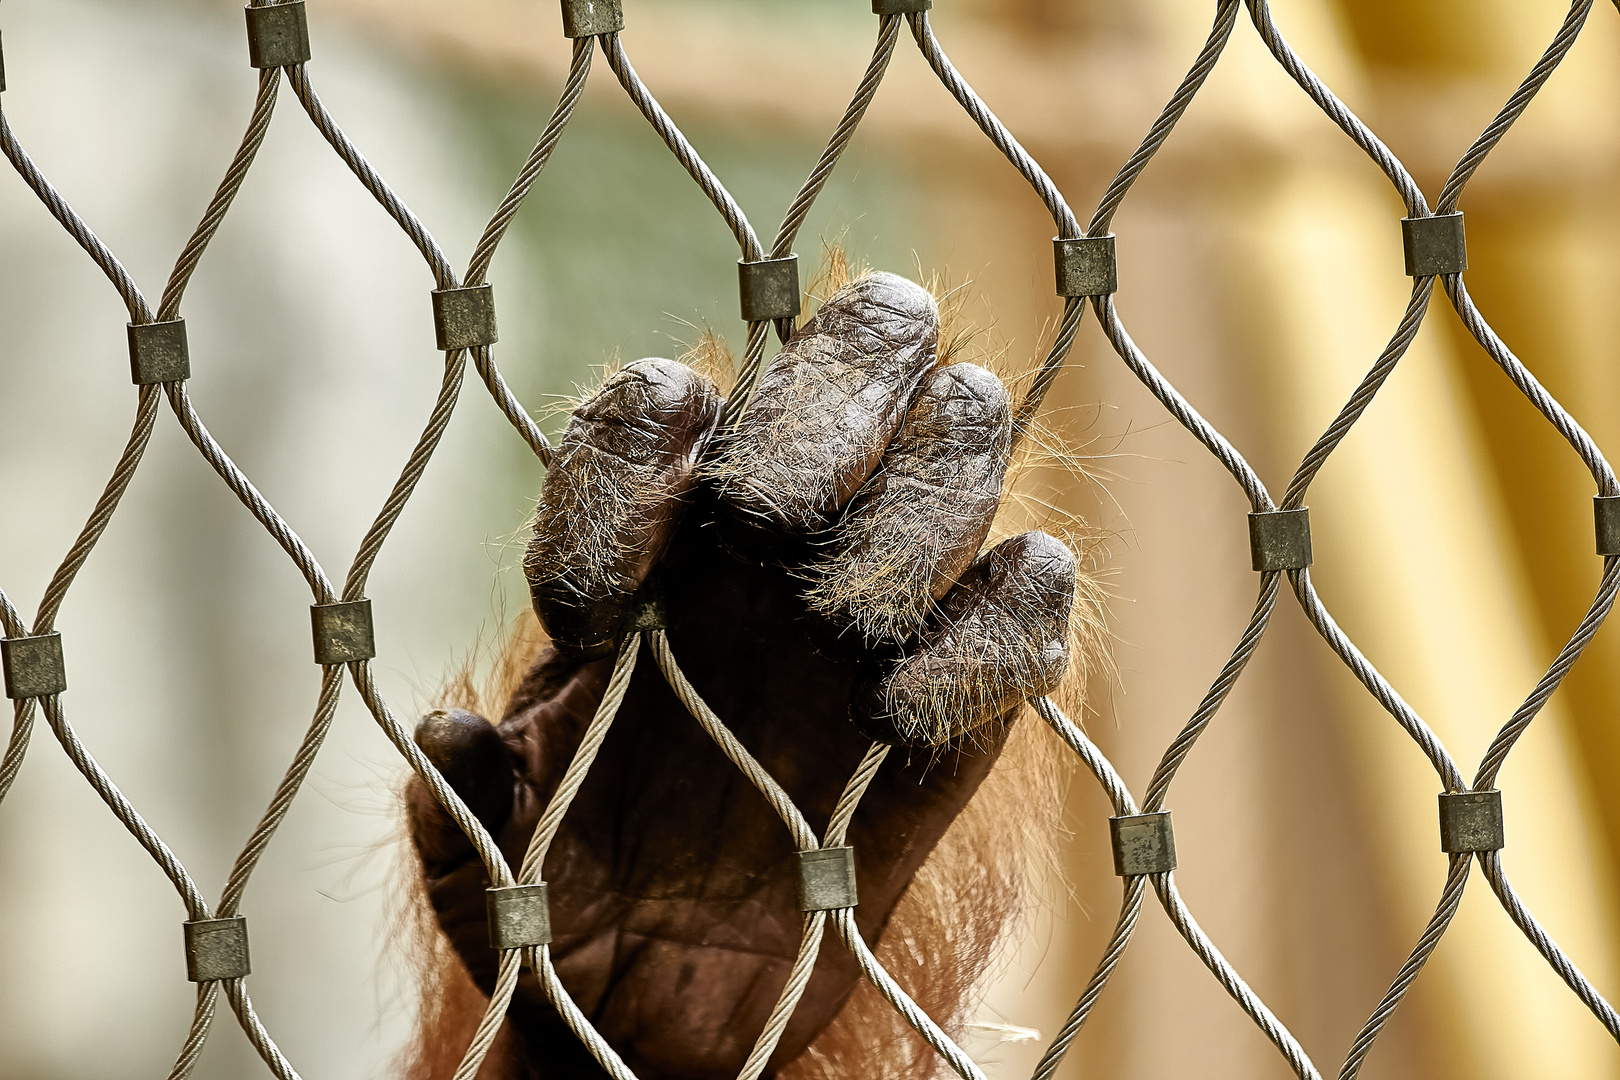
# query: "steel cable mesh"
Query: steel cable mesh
{"points": [[325, 595]]}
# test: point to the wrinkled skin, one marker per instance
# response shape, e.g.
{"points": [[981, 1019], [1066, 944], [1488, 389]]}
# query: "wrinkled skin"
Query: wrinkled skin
{"points": [[672, 882]]}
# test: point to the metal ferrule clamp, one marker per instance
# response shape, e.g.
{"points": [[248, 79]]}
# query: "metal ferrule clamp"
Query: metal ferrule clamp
{"points": [[343, 632], [827, 879], [588, 18], [278, 34], [769, 288], [1280, 539], [648, 611], [217, 949], [33, 666], [464, 318], [900, 7], [158, 352], [1471, 821], [1606, 514], [519, 916], [1434, 245], [1085, 266], [1143, 844]]}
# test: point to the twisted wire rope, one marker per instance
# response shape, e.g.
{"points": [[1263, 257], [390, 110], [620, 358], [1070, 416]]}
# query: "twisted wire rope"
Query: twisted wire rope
{"points": [[579, 70], [1491, 863], [1182, 917], [696, 167], [1225, 18], [1067, 226], [22, 730], [923, 31], [804, 838], [920, 1021], [545, 830], [753, 355], [201, 1023], [1362, 397], [298, 79], [1159, 785], [1550, 410], [1337, 111], [1450, 897], [804, 961], [1554, 55], [500, 874], [1516, 725], [264, 105], [242, 1005], [854, 113], [1405, 333], [145, 835], [1179, 407], [1130, 906], [1375, 683], [704, 177], [1260, 500], [246, 493], [74, 224], [1177, 752], [416, 465], [455, 367], [1527, 384]]}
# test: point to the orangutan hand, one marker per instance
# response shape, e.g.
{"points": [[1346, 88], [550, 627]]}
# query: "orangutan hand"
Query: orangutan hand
{"points": [[821, 577]]}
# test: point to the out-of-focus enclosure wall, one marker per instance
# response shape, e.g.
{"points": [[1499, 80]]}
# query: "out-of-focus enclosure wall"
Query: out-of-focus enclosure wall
{"points": [[1260, 268]]}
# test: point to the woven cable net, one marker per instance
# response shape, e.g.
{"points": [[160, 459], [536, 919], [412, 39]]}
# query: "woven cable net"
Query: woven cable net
{"points": [[598, 28]]}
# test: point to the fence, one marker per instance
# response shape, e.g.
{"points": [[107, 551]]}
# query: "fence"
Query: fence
{"points": [[1471, 812]]}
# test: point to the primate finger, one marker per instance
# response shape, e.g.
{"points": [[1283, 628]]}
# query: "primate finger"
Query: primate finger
{"points": [[828, 406], [470, 754], [917, 523], [999, 638], [614, 495]]}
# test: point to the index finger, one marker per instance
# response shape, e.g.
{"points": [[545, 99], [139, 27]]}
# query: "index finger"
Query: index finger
{"points": [[828, 406]]}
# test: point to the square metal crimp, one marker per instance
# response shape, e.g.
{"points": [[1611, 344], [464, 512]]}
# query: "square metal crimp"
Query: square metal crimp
{"points": [[217, 949], [1606, 510], [1471, 821], [1280, 539], [1434, 245], [278, 34], [519, 916], [900, 7], [1143, 844], [1085, 266], [648, 611], [827, 879], [33, 666], [464, 318], [158, 352], [588, 18], [343, 632], [769, 288]]}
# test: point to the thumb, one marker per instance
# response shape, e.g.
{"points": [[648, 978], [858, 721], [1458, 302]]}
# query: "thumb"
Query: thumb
{"points": [[474, 760]]}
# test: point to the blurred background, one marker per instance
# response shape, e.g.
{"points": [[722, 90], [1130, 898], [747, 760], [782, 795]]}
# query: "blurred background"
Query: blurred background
{"points": [[1260, 268]]}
